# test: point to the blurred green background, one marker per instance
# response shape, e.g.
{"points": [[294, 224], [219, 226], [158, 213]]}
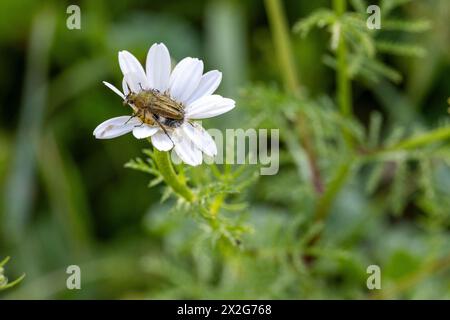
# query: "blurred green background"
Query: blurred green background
{"points": [[67, 199]]}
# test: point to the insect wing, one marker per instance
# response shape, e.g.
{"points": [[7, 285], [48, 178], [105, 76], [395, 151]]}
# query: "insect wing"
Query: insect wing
{"points": [[164, 106]]}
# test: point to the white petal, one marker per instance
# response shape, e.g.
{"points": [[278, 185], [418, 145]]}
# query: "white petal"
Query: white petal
{"points": [[144, 131], [115, 127], [131, 66], [209, 106], [134, 82], [186, 149], [161, 141], [158, 67], [200, 137], [185, 78], [125, 88], [117, 91], [208, 84]]}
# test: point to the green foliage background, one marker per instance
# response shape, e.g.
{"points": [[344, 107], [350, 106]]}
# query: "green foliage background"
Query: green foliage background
{"points": [[364, 162]]}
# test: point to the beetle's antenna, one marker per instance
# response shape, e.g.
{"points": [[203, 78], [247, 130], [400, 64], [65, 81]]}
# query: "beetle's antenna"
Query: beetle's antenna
{"points": [[125, 102], [129, 89]]}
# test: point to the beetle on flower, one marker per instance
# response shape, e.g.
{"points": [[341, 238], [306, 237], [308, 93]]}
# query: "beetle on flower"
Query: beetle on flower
{"points": [[165, 102]]}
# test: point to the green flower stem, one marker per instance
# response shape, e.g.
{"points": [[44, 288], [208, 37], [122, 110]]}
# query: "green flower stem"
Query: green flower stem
{"points": [[282, 42], [164, 164], [343, 82]]}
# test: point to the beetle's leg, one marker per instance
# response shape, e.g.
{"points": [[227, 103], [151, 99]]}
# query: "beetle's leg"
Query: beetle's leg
{"points": [[142, 123], [131, 117], [164, 129]]}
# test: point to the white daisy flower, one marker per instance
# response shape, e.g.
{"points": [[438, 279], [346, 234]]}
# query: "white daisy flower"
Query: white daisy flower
{"points": [[165, 102]]}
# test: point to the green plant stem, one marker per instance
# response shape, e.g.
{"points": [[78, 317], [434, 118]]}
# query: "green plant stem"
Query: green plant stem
{"points": [[436, 135], [343, 82], [345, 105], [325, 202], [162, 160], [216, 204], [288, 70], [412, 279], [342, 172], [18, 201], [335, 185], [421, 140], [280, 30], [4, 284]]}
